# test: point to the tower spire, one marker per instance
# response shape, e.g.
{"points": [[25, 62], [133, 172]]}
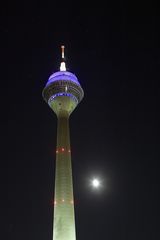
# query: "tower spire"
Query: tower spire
{"points": [[63, 64], [62, 47]]}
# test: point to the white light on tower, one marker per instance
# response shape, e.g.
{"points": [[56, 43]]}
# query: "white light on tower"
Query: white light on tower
{"points": [[63, 65]]}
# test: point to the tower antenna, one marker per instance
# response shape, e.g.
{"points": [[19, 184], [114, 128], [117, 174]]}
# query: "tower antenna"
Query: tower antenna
{"points": [[62, 47], [63, 64]]}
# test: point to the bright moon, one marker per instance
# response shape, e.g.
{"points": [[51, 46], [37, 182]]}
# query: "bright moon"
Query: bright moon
{"points": [[95, 183]]}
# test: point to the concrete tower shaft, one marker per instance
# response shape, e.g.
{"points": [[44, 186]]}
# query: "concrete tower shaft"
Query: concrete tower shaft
{"points": [[64, 220], [63, 93]]}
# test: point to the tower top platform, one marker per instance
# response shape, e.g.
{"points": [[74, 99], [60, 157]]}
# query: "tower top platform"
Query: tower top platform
{"points": [[62, 75]]}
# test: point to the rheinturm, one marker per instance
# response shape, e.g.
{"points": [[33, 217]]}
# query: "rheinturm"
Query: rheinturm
{"points": [[63, 93]]}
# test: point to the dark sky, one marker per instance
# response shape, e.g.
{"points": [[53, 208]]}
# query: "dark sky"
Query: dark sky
{"points": [[114, 51]]}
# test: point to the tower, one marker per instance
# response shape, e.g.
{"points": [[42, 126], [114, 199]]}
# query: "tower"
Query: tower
{"points": [[63, 93]]}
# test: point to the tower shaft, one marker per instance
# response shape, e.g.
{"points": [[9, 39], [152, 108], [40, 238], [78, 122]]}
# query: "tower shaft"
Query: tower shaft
{"points": [[64, 220]]}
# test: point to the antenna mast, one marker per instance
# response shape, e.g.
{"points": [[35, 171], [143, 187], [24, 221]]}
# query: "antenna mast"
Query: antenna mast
{"points": [[63, 65]]}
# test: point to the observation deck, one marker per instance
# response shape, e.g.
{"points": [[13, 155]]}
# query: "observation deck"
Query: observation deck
{"points": [[63, 83]]}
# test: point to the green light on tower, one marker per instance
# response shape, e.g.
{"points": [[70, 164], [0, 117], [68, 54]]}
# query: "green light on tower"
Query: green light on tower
{"points": [[63, 93]]}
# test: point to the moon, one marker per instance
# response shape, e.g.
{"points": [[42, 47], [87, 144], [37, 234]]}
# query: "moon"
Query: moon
{"points": [[96, 183]]}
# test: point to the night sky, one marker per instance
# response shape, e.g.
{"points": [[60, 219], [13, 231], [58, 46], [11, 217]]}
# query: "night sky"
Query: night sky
{"points": [[114, 51]]}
